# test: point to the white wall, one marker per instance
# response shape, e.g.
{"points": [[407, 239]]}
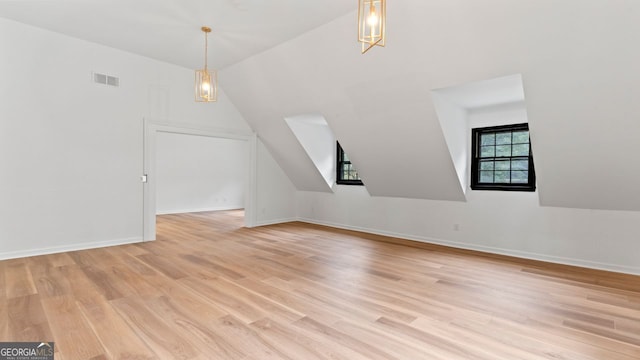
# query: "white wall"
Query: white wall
{"points": [[453, 123], [503, 222], [498, 222], [71, 151], [276, 195], [503, 114], [317, 139], [199, 173]]}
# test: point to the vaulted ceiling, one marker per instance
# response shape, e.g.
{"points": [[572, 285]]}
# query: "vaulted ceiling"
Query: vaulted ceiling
{"points": [[579, 65], [169, 30], [578, 59]]}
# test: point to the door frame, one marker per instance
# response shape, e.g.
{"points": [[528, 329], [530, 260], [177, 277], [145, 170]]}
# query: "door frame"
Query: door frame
{"points": [[151, 128]]}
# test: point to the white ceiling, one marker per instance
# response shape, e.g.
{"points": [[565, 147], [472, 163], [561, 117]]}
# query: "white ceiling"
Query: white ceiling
{"points": [[579, 64], [485, 93], [578, 60], [169, 30]]}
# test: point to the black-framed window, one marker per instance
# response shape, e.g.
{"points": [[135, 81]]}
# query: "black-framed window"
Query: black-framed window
{"points": [[502, 158], [347, 174]]}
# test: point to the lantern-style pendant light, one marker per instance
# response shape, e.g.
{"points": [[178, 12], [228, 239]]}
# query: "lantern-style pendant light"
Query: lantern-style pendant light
{"points": [[206, 80], [372, 16]]}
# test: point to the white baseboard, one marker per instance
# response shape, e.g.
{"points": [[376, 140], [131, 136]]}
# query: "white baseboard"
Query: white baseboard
{"points": [[275, 221], [486, 249], [65, 248], [194, 210]]}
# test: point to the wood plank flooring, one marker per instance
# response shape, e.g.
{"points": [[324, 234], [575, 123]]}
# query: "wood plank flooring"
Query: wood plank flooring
{"points": [[210, 289]]}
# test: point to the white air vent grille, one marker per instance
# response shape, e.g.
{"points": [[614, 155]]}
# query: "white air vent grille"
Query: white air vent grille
{"points": [[106, 79]]}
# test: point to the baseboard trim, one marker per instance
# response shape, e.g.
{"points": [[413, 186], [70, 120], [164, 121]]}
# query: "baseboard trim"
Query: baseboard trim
{"points": [[66, 248], [275, 221], [485, 249], [195, 210]]}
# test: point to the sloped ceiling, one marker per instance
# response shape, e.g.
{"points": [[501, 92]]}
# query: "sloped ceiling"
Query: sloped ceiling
{"points": [[580, 65], [169, 30], [579, 61]]}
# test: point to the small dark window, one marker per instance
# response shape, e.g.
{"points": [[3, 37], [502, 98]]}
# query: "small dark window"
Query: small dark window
{"points": [[502, 159], [347, 174]]}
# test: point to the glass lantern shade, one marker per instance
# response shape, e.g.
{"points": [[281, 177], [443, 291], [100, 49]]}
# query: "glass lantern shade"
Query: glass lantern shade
{"points": [[372, 16], [206, 85]]}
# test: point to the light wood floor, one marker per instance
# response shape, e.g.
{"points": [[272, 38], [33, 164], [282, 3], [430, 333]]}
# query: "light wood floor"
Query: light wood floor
{"points": [[209, 289]]}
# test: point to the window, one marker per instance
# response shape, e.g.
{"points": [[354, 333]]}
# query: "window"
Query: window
{"points": [[347, 174], [502, 159]]}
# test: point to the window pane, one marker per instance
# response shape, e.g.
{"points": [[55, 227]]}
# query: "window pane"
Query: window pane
{"points": [[502, 158], [503, 150], [487, 139], [486, 176], [502, 177], [486, 165], [520, 137], [521, 150], [520, 177], [346, 171], [503, 138], [503, 165], [487, 151], [520, 164]]}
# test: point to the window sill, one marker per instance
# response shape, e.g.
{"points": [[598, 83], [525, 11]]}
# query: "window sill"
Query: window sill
{"points": [[492, 187], [350, 182]]}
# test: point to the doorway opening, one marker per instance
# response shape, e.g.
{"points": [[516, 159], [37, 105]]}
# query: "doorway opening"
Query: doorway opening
{"points": [[197, 170]]}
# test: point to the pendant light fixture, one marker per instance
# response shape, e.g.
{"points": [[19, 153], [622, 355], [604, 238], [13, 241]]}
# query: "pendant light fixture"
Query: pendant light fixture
{"points": [[206, 80], [372, 16]]}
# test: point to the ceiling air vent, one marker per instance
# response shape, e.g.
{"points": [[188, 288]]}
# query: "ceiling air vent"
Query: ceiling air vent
{"points": [[106, 79]]}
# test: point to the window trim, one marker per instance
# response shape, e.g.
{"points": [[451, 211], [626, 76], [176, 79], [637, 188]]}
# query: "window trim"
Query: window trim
{"points": [[530, 186], [339, 162]]}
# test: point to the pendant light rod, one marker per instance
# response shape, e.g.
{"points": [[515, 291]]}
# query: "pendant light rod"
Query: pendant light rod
{"points": [[206, 31]]}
